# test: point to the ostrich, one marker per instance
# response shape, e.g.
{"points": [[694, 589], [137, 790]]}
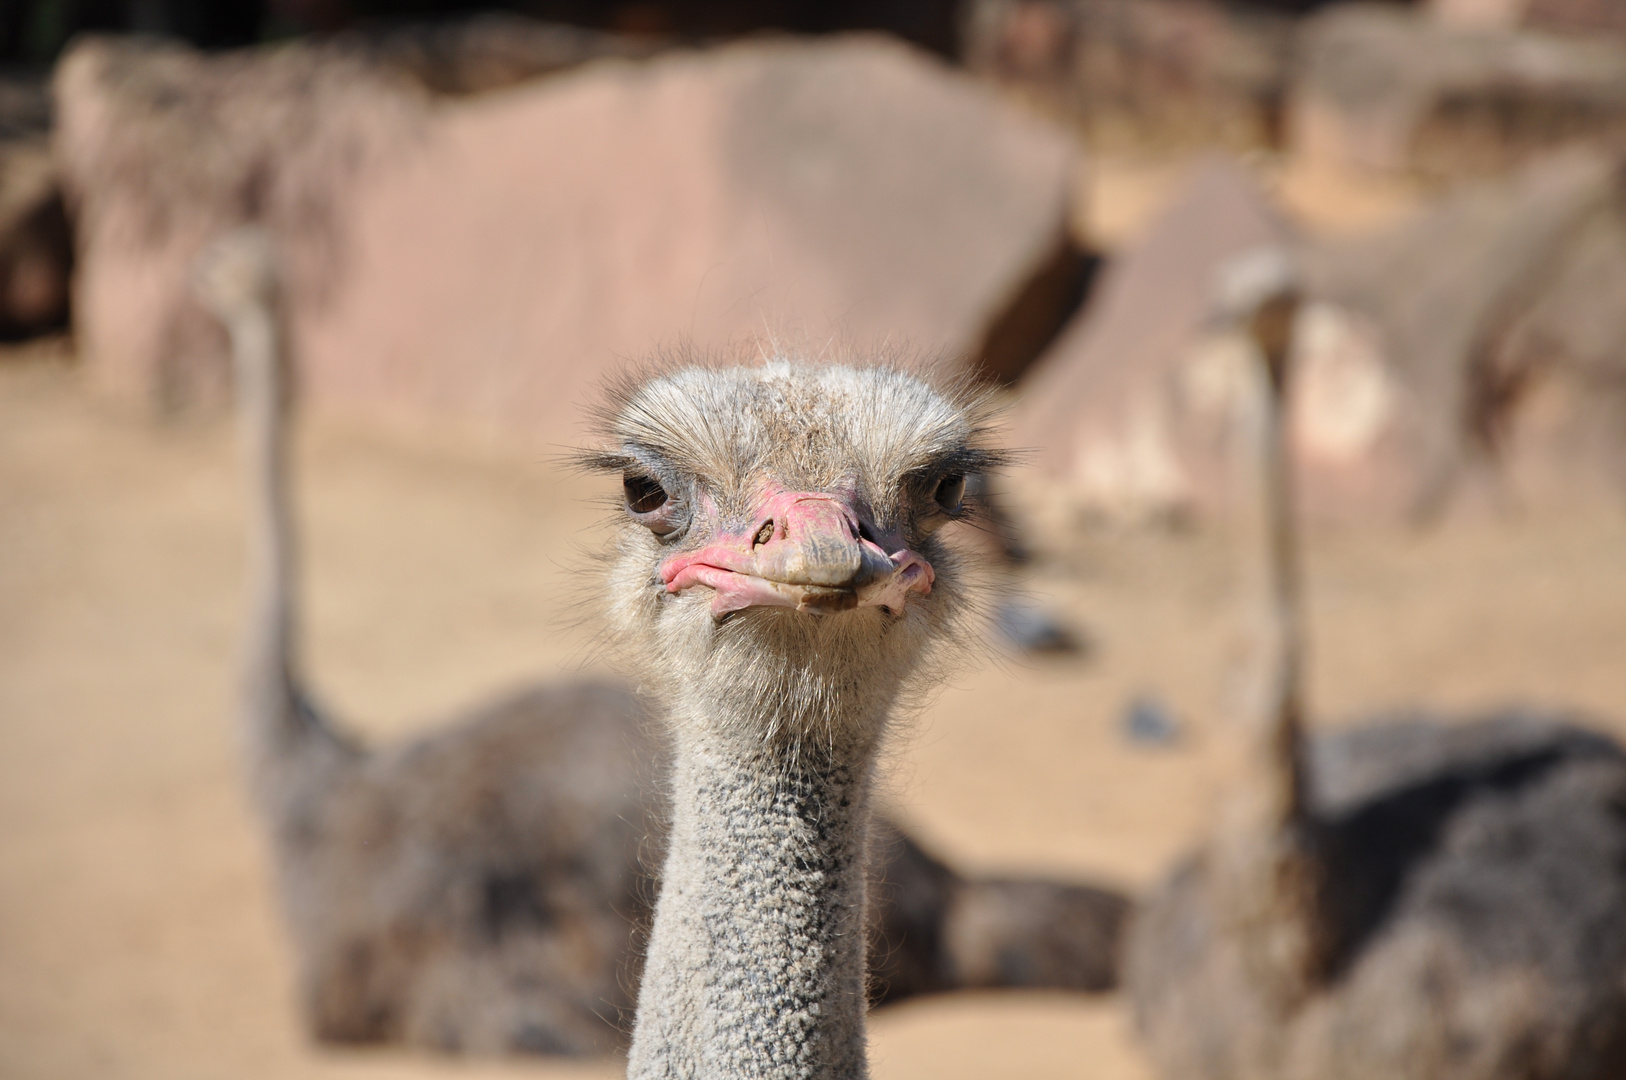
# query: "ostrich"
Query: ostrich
{"points": [[484, 888], [779, 574], [1408, 898]]}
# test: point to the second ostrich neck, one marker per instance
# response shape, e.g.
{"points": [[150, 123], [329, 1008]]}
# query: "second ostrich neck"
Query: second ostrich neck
{"points": [[756, 967]]}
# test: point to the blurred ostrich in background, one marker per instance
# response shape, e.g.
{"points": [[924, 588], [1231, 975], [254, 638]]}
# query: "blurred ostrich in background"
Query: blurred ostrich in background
{"points": [[1413, 898], [485, 887]]}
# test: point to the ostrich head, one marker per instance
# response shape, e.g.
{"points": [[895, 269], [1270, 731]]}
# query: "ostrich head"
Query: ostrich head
{"points": [[236, 273], [779, 553]]}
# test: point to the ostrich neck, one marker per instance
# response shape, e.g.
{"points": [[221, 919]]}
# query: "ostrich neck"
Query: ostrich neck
{"points": [[279, 728], [756, 961], [1271, 867], [271, 570], [1277, 785]]}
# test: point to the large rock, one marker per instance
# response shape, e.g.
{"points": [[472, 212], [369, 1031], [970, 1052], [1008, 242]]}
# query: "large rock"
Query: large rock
{"points": [[1478, 346], [1544, 387], [159, 150], [1571, 16], [1123, 409], [1493, 289], [1379, 87], [489, 260]]}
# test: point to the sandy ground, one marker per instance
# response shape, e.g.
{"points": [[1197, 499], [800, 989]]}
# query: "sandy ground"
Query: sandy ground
{"points": [[136, 934]]}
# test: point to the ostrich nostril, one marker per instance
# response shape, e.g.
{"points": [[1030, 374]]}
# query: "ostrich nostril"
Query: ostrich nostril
{"points": [[764, 534], [866, 533]]}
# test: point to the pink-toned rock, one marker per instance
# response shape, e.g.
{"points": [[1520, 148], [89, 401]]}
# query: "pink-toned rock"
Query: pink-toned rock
{"points": [[1571, 16], [1577, 16], [487, 261], [1478, 346], [1497, 310], [1441, 293], [159, 150], [1478, 14], [1119, 408]]}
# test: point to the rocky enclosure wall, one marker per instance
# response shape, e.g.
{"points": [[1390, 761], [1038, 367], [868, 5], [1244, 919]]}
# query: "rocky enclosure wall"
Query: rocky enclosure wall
{"points": [[488, 260]]}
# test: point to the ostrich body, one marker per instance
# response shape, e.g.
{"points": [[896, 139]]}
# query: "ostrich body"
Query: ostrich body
{"points": [[1411, 898], [779, 573], [484, 888]]}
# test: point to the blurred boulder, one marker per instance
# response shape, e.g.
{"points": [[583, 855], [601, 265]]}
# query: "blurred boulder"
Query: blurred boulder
{"points": [[160, 149], [1141, 71], [1581, 16], [1570, 16], [1471, 304], [1478, 346], [1380, 87], [1123, 408], [1545, 394], [488, 260]]}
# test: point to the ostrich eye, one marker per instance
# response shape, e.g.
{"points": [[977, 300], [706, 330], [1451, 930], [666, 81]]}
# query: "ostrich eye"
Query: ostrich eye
{"points": [[643, 493], [950, 493]]}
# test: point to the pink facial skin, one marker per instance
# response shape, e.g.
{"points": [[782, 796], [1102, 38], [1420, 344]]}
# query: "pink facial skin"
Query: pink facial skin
{"points": [[803, 551]]}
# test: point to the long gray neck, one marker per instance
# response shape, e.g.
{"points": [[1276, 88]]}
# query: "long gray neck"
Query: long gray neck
{"points": [[1273, 898], [268, 663], [278, 726], [1275, 720], [756, 962]]}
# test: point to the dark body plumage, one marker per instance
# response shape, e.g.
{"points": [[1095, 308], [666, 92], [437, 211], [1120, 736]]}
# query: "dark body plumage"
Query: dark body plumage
{"points": [[486, 888], [1475, 884]]}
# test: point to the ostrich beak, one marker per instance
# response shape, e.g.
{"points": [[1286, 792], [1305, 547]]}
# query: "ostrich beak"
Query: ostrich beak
{"points": [[803, 550]]}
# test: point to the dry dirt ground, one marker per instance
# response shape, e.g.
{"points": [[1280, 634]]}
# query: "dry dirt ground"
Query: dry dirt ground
{"points": [[137, 939]]}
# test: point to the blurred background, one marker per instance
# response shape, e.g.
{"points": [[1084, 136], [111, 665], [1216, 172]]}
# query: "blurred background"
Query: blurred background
{"points": [[482, 213]]}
